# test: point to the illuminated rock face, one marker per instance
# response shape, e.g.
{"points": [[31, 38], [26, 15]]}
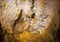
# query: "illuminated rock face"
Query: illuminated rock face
{"points": [[32, 16]]}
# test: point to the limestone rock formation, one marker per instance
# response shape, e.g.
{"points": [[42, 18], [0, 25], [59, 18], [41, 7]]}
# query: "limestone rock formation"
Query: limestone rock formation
{"points": [[29, 20]]}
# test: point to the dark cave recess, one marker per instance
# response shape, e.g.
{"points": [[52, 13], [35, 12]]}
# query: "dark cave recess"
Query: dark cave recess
{"points": [[1, 34]]}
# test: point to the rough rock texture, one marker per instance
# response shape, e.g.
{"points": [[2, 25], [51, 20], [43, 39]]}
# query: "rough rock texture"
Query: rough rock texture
{"points": [[29, 20]]}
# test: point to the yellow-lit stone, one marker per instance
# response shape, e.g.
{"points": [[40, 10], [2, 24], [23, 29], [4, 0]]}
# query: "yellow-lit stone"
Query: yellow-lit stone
{"points": [[23, 0], [15, 2], [17, 13], [24, 35], [5, 4]]}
